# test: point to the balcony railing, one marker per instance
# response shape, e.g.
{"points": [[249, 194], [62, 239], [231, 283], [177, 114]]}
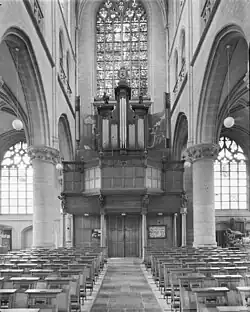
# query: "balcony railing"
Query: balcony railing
{"points": [[38, 13], [207, 11], [65, 80], [180, 78]]}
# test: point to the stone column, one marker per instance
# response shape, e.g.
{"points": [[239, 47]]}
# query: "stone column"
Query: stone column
{"points": [[183, 213], [102, 222], [202, 156], [145, 203], [103, 229], [175, 230], [68, 230], [44, 194]]}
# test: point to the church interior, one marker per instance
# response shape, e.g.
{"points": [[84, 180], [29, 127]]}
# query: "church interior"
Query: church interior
{"points": [[124, 128]]}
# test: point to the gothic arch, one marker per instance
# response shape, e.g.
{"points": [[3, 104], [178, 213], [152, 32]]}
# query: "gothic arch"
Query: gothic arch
{"points": [[65, 138], [213, 81], [180, 135], [31, 81], [10, 138], [86, 25], [162, 4]]}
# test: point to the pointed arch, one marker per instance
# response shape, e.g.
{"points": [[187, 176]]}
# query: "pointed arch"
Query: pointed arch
{"points": [[180, 136], [213, 81], [65, 138], [31, 81]]}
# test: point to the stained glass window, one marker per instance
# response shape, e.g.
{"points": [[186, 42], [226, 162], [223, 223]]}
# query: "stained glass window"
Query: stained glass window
{"points": [[122, 39], [230, 176], [16, 181]]}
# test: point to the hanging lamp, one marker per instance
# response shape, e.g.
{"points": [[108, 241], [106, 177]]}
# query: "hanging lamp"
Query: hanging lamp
{"points": [[17, 124], [229, 120]]}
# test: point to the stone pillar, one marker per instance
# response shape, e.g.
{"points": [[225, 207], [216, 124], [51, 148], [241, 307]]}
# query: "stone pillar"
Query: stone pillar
{"points": [[68, 230], [175, 230], [103, 229], [102, 222], [144, 233], [145, 203], [183, 213], [202, 156], [44, 194]]}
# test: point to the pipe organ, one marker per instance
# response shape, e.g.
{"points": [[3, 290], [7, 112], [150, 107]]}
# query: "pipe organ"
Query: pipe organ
{"points": [[123, 122]]}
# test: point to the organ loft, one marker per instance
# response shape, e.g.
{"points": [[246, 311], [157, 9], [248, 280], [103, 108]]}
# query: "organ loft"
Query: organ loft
{"points": [[125, 184]]}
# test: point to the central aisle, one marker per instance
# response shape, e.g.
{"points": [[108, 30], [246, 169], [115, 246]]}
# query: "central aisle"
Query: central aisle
{"points": [[125, 289]]}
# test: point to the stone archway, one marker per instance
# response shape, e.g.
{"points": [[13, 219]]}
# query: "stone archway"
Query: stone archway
{"points": [[26, 237], [37, 127], [214, 95]]}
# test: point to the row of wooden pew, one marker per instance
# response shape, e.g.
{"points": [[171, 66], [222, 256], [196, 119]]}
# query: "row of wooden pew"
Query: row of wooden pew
{"points": [[202, 279], [49, 280]]}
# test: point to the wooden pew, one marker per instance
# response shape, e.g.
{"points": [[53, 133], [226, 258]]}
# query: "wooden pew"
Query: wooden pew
{"points": [[45, 299], [208, 298], [7, 298]]}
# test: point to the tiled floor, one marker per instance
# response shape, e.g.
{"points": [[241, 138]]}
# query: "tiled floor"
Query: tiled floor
{"points": [[125, 289]]}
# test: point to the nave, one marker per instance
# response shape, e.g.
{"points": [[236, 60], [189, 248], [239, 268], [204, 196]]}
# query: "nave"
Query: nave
{"points": [[179, 279]]}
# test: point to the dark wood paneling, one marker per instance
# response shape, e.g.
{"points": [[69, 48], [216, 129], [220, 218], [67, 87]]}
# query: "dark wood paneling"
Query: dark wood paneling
{"points": [[83, 230], [119, 204], [161, 220]]}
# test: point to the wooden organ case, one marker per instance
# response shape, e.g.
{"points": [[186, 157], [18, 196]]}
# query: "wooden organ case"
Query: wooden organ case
{"points": [[122, 123]]}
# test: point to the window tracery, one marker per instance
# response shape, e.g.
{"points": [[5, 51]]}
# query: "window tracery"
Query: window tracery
{"points": [[122, 39], [16, 181], [230, 176]]}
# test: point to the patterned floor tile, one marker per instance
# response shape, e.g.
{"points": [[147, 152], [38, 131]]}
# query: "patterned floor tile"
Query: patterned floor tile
{"points": [[125, 289]]}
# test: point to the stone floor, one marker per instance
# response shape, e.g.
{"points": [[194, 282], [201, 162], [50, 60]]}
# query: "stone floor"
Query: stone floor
{"points": [[125, 288]]}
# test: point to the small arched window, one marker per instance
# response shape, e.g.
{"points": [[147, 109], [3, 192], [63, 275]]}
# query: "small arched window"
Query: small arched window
{"points": [[230, 176], [16, 181], [183, 48], [61, 50], [176, 66]]}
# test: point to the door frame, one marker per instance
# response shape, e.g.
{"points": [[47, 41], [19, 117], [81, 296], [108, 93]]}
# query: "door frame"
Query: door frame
{"points": [[139, 242]]}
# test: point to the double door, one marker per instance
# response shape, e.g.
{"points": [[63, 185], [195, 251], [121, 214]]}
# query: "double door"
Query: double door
{"points": [[123, 235]]}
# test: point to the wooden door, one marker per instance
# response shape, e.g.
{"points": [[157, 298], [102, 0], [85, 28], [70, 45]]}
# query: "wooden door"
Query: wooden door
{"points": [[123, 236]]}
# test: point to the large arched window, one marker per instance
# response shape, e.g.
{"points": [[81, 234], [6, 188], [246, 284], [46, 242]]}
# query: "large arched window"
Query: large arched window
{"points": [[122, 39], [230, 176], [16, 181]]}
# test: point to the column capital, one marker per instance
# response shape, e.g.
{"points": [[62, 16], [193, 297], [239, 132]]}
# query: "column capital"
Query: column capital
{"points": [[183, 211], [101, 199], [145, 201], [44, 153], [200, 151]]}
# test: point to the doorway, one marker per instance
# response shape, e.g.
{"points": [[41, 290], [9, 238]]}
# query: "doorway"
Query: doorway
{"points": [[123, 235]]}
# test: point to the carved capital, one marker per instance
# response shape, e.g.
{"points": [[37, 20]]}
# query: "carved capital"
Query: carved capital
{"points": [[183, 211], [62, 198], [145, 201], [199, 151], [101, 200], [44, 153]]}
